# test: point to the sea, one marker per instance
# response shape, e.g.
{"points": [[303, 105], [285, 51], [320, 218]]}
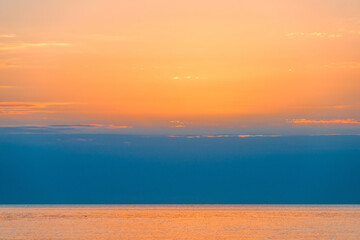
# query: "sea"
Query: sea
{"points": [[135, 222]]}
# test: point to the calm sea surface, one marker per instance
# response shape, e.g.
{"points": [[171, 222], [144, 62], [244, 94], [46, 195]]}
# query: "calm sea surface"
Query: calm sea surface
{"points": [[180, 222]]}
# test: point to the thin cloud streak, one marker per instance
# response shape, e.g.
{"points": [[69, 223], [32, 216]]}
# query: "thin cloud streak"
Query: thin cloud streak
{"points": [[349, 65], [64, 127], [177, 124], [89, 126], [5, 65], [313, 34], [335, 121], [116, 127], [247, 136], [7, 35], [24, 108], [23, 126], [222, 136], [11, 46]]}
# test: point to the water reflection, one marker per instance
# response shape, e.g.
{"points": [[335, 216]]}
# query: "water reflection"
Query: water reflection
{"points": [[180, 222]]}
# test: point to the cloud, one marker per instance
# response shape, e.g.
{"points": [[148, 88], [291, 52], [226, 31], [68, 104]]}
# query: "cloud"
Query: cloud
{"points": [[5, 65], [339, 106], [41, 128], [246, 136], [89, 126], [11, 46], [7, 35], [3, 86], [177, 124], [23, 108], [324, 122], [77, 126], [23, 126], [110, 126], [185, 77], [221, 136], [19, 45], [23, 112], [355, 32], [240, 136], [351, 65], [313, 34]]}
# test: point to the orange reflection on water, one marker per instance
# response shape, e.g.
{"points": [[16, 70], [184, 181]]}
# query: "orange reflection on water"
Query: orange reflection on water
{"points": [[179, 222]]}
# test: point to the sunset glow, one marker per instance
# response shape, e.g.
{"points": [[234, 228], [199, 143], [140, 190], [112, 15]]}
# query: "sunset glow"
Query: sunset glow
{"points": [[180, 64]]}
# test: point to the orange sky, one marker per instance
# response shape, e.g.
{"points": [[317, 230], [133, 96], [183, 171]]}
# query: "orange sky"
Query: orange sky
{"points": [[183, 64]]}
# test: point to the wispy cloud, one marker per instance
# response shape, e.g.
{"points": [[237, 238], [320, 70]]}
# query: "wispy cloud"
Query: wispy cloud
{"points": [[260, 135], [21, 108], [185, 77], [23, 126], [77, 126], [222, 136], [219, 136], [89, 126], [6, 65], [351, 65], [340, 106], [324, 122], [110, 126], [7, 35], [313, 34], [177, 124], [59, 128], [3, 86], [11, 46]]}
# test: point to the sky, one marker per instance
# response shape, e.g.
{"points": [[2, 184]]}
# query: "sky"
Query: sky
{"points": [[181, 101], [180, 67]]}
